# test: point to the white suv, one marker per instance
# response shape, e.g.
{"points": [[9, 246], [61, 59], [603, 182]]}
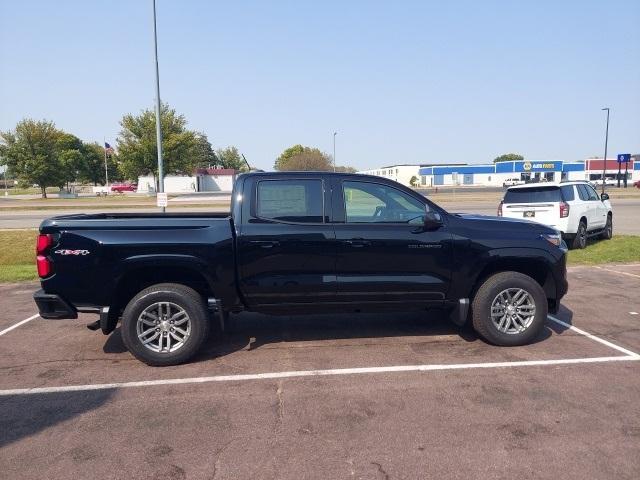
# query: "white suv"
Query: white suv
{"points": [[573, 208]]}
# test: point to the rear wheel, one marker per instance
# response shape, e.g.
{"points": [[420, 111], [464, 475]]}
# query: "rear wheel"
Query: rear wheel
{"points": [[509, 309], [580, 240], [607, 233], [165, 324]]}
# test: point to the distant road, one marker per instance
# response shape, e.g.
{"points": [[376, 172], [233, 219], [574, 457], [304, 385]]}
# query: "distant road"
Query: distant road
{"points": [[626, 213]]}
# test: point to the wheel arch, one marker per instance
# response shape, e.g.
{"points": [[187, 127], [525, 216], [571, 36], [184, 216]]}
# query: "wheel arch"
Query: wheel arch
{"points": [[537, 268], [143, 274]]}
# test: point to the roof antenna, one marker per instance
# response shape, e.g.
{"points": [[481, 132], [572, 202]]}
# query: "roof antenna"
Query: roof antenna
{"points": [[249, 166]]}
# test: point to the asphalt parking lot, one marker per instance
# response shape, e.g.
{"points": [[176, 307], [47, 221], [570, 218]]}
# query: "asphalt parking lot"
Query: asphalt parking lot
{"points": [[367, 396]]}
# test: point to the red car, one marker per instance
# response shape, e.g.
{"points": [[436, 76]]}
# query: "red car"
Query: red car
{"points": [[637, 184], [124, 187]]}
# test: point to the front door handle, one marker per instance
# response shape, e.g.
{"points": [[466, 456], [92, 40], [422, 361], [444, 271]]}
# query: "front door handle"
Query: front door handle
{"points": [[265, 243], [357, 242]]}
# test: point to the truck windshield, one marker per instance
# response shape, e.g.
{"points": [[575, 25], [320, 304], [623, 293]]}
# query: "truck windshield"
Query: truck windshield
{"points": [[533, 195]]}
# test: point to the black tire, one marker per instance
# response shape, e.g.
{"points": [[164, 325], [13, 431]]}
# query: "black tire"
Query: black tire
{"points": [[607, 233], [580, 240], [483, 300], [183, 297]]}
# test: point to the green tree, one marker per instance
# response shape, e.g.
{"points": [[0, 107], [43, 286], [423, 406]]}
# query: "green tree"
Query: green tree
{"points": [[206, 157], [285, 156], [302, 158], [508, 157], [137, 152], [230, 158], [32, 153], [69, 148], [413, 181]]}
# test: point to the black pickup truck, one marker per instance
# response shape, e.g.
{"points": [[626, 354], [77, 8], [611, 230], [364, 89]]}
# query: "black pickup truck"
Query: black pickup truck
{"points": [[297, 243]]}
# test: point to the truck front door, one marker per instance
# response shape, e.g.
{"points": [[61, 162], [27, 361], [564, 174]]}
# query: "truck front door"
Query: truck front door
{"points": [[385, 255], [285, 245]]}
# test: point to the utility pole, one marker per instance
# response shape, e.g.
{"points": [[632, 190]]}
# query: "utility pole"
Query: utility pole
{"points": [[606, 142], [334, 150], [158, 125]]}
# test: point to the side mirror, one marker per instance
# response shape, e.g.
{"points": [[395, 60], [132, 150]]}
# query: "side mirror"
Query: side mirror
{"points": [[604, 196], [432, 220]]}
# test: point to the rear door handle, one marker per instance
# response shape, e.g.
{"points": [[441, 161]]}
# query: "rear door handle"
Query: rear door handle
{"points": [[357, 242], [265, 243]]}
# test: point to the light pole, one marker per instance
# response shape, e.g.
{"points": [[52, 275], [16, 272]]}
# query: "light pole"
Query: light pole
{"points": [[606, 142], [158, 125], [334, 150], [4, 175]]}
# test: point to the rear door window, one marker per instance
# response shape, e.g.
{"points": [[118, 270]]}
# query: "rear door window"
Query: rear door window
{"points": [[567, 193], [299, 201], [533, 195]]}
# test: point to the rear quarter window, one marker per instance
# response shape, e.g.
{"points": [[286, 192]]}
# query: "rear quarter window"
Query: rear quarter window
{"points": [[533, 195]]}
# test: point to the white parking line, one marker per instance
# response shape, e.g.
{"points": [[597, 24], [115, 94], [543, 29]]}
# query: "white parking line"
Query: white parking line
{"points": [[311, 373], [629, 356], [595, 339], [616, 271], [7, 330]]}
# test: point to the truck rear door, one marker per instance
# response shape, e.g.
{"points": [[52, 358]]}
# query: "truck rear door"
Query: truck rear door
{"points": [[285, 244]]}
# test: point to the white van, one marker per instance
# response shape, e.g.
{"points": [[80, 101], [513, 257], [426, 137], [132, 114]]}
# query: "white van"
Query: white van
{"points": [[573, 208]]}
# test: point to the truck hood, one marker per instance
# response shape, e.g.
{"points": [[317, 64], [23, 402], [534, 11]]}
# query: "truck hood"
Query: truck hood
{"points": [[497, 223]]}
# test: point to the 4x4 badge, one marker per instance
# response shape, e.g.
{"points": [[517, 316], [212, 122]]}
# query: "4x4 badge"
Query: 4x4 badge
{"points": [[72, 252]]}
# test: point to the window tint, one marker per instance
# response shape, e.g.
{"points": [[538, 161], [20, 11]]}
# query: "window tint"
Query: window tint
{"points": [[532, 195], [567, 193], [582, 192], [290, 200], [592, 193], [373, 203]]}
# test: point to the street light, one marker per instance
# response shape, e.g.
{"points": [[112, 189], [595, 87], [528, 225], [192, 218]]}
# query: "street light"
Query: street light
{"points": [[158, 126], [334, 150], [606, 141]]}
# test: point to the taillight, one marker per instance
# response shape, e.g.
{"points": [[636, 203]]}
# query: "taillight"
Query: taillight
{"points": [[44, 266], [500, 209], [43, 244], [564, 210]]}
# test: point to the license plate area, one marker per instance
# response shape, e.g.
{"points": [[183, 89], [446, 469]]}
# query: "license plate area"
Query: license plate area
{"points": [[529, 214]]}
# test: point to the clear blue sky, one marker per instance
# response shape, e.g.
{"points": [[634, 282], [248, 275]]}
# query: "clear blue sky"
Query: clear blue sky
{"points": [[401, 81]]}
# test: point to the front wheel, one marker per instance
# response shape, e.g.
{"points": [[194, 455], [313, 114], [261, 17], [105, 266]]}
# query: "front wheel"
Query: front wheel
{"points": [[165, 324], [509, 309]]}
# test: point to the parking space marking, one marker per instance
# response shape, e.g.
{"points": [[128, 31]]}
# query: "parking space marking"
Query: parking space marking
{"points": [[7, 330], [594, 338], [628, 356], [616, 271], [311, 373]]}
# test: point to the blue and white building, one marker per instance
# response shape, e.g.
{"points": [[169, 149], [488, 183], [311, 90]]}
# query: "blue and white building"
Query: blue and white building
{"points": [[498, 173], [434, 175]]}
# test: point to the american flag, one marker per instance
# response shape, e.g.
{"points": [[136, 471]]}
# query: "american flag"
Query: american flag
{"points": [[108, 148]]}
